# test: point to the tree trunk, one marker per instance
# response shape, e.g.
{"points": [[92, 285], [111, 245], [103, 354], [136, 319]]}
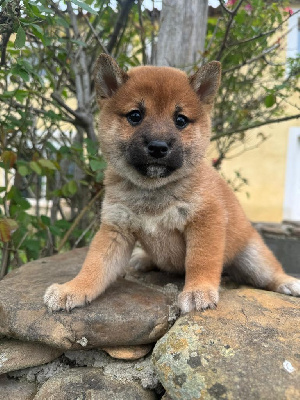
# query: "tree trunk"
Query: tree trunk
{"points": [[182, 33]]}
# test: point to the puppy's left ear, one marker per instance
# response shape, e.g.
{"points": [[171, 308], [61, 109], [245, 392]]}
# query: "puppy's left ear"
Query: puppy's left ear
{"points": [[108, 76], [206, 82]]}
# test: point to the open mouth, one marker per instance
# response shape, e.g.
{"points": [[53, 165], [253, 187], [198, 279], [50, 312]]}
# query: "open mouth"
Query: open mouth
{"points": [[154, 170]]}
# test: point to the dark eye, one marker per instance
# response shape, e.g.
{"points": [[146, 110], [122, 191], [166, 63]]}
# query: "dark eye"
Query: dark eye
{"points": [[134, 117], [181, 121]]}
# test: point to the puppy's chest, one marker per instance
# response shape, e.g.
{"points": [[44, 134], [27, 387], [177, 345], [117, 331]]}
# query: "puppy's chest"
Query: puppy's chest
{"points": [[173, 218], [141, 222]]}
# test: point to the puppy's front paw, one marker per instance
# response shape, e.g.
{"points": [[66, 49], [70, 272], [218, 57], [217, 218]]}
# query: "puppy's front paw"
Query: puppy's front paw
{"points": [[291, 288], [198, 299], [64, 297]]}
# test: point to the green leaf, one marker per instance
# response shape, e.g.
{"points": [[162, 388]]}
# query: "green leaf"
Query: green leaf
{"points": [[55, 231], [96, 164], [41, 8], [270, 100], [7, 94], [33, 245], [47, 164], [18, 70], [240, 18], [79, 42], [23, 204], [13, 194], [4, 3], [99, 176], [65, 190], [84, 6], [50, 146], [92, 147], [33, 9], [25, 65], [52, 115], [63, 224], [23, 170], [62, 22], [21, 95], [37, 33], [64, 150], [45, 220], [37, 27], [72, 187], [46, 40], [20, 38], [35, 167]]}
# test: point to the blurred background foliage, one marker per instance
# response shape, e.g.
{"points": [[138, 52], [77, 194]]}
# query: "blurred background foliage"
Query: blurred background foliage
{"points": [[51, 164]]}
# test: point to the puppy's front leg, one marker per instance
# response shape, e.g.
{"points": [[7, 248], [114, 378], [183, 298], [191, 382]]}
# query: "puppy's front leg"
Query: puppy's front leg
{"points": [[205, 244], [108, 254]]}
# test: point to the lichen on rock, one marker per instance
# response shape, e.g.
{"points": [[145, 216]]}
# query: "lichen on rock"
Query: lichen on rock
{"points": [[244, 349]]}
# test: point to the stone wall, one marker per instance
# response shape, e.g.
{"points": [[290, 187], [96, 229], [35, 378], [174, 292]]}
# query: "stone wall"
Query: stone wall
{"points": [[125, 345], [284, 240]]}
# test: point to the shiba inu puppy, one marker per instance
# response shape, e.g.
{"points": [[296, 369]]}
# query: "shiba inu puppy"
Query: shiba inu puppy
{"points": [[160, 191]]}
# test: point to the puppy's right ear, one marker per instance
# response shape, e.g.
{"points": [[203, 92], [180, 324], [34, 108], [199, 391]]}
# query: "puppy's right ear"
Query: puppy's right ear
{"points": [[206, 82], [108, 76]]}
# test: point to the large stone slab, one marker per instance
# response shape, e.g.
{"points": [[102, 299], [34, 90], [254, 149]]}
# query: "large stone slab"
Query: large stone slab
{"points": [[11, 389], [249, 348], [90, 383], [128, 313], [15, 354]]}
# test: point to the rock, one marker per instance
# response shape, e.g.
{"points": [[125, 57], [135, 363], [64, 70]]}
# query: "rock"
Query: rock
{"points": [[90, 383], [41, 373], [141, 371], [166, 397], [296, 232], [14, 390], [15, 354], [128, 352], [128, 313], [246, 349], [168, 282]]}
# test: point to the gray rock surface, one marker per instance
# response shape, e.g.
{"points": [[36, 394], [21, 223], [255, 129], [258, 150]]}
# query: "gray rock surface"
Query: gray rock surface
{"points": [[15, 354], [249, 348], [140, 371], [13, 390], [128, 313], [90, 383], [41, 373]]}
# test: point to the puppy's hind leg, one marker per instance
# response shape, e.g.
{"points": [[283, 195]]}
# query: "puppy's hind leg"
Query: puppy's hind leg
{"points": [[141, 261], [257, 266]]}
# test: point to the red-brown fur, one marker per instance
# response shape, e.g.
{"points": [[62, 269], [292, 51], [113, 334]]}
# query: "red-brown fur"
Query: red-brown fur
{"points": [[189, 221]]}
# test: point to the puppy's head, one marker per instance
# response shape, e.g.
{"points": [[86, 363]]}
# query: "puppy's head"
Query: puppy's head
{"points": [[154, 121]]}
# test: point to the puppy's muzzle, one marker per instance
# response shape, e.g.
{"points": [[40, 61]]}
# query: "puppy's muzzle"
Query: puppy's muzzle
{"points": [[158, 149], [154, 157]]}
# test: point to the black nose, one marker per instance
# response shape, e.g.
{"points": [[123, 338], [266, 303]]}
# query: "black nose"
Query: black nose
{"points": [[157, 149]]}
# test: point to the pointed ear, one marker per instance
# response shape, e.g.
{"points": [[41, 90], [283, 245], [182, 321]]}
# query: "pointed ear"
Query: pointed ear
{"points": [[108, 76], [206, 82]]}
